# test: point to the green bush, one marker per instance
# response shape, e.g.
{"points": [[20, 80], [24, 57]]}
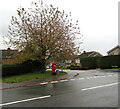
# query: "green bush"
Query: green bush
{"points": [[107, 62], [18, 69], [71, 66], [90, 62], [79, 68]]}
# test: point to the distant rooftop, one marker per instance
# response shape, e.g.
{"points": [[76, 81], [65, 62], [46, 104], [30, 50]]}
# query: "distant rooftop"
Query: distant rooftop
{"points": [[9, 53], [118, 46], [90, 54]]}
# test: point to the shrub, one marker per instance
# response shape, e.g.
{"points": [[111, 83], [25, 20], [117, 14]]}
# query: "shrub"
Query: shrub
{"points": [[79, 68], [90, 62], [76, 67], [71, 66], [104, 62], [107, 62], [18, 69]]}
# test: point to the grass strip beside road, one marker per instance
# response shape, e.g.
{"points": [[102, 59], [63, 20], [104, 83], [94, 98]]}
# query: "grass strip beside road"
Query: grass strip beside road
{"points": [[30, 76], [112, 69]]}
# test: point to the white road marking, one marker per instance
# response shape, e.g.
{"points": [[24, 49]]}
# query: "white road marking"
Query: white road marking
{"points": [[99, 86], [14, 102], [81, 78], [44, 83], [63, 80], [89, 77], [72, 79], [109, 75], [76, 79], [54, 82], [97, 76], [94, 76]]}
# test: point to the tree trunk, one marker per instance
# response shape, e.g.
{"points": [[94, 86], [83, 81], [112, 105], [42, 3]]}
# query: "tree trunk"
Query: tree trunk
{"points": [[43, 65]]}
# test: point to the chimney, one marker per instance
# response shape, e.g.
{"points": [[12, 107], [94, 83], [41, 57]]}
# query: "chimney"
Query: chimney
{"points": [[8, 51], [84, 51]]}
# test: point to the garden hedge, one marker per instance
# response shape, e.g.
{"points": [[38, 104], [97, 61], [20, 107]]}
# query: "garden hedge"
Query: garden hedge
{"points": [[107, 62], [71, 66], [79, 68], [90, 62], [17, 69]]}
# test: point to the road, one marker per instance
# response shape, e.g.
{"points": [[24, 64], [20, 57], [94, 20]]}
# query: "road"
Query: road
{"points": [[88, 89]]}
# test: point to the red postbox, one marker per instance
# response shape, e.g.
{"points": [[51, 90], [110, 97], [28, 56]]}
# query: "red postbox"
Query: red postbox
{"points": [[53, 68]]}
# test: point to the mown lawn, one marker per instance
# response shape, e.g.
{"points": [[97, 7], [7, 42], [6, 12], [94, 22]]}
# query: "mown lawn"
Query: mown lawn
{"points": [[30, 76]]}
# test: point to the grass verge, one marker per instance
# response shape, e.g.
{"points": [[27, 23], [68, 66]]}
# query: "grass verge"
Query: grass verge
{"points": [[113, 69], [30, 76]]}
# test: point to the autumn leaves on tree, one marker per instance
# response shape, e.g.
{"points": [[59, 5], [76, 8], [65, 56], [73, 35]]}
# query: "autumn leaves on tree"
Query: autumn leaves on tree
{"points": [[44, 33]]}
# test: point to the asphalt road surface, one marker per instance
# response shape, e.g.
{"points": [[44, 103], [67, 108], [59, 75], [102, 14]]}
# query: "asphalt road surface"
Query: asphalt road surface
{"points": [[87, 89]]}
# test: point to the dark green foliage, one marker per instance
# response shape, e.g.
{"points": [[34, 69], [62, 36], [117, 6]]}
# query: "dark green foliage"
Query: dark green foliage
{"points": [[76, 67], [18, 69], [36, 65], [107, 62], [90, 62], [79, 68], [71, 66]]}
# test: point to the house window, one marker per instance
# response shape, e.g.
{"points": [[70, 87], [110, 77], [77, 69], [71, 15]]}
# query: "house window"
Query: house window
{"points": [[68, 61], [77, 61]]}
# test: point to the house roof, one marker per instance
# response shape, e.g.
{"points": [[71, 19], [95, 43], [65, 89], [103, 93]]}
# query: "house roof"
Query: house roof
{"points": [[89, 54], [9, 53], [118, 46]]}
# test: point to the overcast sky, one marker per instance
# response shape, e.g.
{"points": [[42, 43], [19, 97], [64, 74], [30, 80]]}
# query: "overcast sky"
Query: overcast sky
{"points": [[98, 20]]}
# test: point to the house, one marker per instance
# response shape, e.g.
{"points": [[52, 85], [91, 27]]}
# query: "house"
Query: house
{"points": [[76, 59], [8, 55], [114, 51], [90, 54]]}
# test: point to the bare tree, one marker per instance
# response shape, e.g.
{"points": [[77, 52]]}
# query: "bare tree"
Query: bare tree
{"points": [[44, 33]]}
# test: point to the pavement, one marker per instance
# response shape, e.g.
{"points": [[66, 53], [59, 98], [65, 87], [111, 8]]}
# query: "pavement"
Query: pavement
{"points": [[92, 88], [36, 81]]}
